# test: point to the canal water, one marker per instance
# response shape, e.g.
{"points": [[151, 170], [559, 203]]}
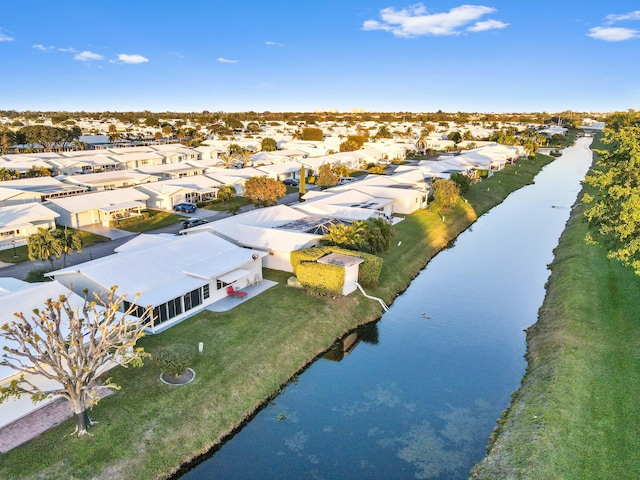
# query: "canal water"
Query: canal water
{"points": [[417, 394]]}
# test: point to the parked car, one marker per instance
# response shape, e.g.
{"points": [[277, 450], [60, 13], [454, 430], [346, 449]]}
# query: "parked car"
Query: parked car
{"points": [[291, 182], [345, 180], [193, 222], [185, 207]]}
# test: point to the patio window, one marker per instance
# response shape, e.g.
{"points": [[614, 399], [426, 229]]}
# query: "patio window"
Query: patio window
{"points": [[205, 291]]}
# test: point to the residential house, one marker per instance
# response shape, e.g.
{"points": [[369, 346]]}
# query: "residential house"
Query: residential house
{"points": [[105, 207], [96, 182], [276, 230], [165, 194], [176, 276], [18, 222], [37, 189]]}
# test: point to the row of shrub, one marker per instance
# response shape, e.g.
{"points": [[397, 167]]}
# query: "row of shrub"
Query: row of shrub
{"points": [[128, 221], [317, 277]]}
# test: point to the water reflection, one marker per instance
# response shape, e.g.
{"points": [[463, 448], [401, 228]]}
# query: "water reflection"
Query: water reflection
{"points": [[344, 346], [417, 394]]}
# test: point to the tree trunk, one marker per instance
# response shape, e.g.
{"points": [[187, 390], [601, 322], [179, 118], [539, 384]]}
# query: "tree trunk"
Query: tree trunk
{"points": [[82, 421]]}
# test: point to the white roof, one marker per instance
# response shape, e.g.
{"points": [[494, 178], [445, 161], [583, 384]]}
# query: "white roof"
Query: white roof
{"points": [[163, 268], [97, 200], [16, 215]]}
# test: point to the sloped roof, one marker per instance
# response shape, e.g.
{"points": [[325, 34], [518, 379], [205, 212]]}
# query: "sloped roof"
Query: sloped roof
{"points": [[25, 213], [95, 200], [166, 268]]}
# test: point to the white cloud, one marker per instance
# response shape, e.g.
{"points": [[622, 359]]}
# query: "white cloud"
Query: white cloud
{"points": [[42, 48], [613, 18], [226, 60], [5, 38], [416, 21], [613, 34], [487, 25], [87, 56], [131, 59], [273, 44], [67, 50]]}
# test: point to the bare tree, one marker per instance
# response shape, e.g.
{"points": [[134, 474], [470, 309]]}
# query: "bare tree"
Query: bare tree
{"points": [[73, 346]]}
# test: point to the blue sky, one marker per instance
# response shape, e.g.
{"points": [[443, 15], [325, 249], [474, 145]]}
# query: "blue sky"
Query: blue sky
{"points": [[298, 55]]}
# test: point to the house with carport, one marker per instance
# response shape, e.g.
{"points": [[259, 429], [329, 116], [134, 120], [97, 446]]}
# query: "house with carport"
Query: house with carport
{"points": [[102, 207], [176, 276], [167, 193]]}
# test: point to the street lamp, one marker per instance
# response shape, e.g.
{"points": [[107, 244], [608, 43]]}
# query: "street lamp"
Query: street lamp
{"points": [[15, 254]]}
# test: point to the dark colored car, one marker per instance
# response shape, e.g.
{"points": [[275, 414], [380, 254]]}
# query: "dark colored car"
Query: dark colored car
{"points": [[291, 182], [184, 207], [193, 222]]}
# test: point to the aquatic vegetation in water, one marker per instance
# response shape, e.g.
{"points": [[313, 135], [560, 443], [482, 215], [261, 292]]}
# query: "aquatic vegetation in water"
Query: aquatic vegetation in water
{"points": [[296, 443], [387, 395]]}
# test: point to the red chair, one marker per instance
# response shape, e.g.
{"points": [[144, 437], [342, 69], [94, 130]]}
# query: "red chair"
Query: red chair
{"points": [[232, 292]]}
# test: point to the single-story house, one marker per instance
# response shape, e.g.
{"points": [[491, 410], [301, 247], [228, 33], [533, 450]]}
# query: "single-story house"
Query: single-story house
{"points": [[276, 230], [407, 197], [168, 171], [96, 182], [99, 207], [37, 189], [176, 275], [347, 205], [166, 193], [18, 222]]}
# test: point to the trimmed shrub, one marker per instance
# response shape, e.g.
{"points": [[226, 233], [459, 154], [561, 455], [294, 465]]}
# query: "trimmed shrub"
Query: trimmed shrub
{"points": [[128, 221], [368, 271], [174, 359], [321, 279]]}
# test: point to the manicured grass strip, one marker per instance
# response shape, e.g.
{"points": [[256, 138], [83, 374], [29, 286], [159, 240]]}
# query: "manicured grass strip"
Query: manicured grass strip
{"points": [[148, 429], [577, 414], [157, 219], [23, 251]]}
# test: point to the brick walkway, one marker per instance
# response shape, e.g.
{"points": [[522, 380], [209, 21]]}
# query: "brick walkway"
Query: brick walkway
{"points": [[37, 422]]}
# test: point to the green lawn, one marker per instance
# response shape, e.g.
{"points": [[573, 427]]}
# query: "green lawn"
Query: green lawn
{"points": [[148, 429], [224, 206], [577, 414], [87, 238], [157, 219]]}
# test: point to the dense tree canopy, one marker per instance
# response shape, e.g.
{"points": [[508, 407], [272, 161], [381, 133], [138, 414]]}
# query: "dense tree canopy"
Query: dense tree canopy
{"points": [[263, 191], [445, 193], [370, 236], [268, 145], [312, 133], [614, 214], [327, 177], [51, 138]]}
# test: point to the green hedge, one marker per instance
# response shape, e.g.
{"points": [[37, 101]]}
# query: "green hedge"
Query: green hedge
{"points": [[368, 272], [321, 279], [128, 221]]}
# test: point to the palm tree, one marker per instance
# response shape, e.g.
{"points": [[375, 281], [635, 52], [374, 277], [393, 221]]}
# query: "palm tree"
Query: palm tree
{"points": [[43, 245], [228, 159], [70, 242]]}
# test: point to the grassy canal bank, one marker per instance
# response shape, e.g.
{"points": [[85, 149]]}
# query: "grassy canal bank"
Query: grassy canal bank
{"points": [[577, 413], [148, 429]]}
